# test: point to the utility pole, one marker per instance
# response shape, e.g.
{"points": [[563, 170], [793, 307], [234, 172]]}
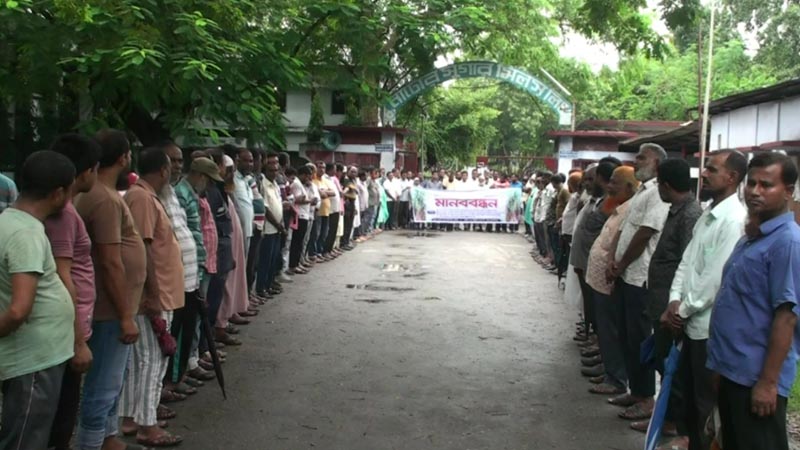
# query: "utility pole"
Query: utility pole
{"points": [[706, 100]]}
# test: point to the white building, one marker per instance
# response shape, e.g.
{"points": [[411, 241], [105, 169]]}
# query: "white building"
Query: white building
{"points": [[762, 119], [365, 146]]}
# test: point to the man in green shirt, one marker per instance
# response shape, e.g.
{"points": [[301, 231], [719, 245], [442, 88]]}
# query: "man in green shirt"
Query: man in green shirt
{"points": [[35, 342]]}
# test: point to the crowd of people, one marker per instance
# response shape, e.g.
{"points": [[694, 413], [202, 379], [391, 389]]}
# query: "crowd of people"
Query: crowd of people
{"points": [[655, 269], [107, 275]]}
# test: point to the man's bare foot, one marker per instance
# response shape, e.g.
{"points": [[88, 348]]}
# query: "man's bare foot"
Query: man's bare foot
{"points": [[154, 436]]}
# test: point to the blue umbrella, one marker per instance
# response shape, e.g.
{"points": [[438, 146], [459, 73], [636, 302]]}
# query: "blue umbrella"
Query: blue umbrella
{"points": [[660, 409]]}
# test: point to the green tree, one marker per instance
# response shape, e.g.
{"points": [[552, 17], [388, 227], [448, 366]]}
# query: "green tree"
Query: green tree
{"points": [[316, 121]]}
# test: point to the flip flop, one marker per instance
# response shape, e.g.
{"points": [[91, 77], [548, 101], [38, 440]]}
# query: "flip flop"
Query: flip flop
{"points": [[185, 389], [165, 440], [164, 413], [172, 397], [193, 382], [201, 375], [160, 423]]}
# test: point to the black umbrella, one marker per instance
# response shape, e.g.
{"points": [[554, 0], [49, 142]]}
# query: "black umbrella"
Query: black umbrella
{"points": [[205, 329]]}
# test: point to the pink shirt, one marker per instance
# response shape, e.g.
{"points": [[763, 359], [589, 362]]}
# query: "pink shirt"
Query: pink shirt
{"points": [[210, 239], [69, 239]]}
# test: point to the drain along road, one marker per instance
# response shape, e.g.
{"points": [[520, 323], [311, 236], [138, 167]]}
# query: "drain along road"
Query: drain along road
{"points": [[453, 341]]}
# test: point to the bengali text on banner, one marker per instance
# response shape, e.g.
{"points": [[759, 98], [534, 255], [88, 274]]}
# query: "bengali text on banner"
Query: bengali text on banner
{"points": [[468, 206]]}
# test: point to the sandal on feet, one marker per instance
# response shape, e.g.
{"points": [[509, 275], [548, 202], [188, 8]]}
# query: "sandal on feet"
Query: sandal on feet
{"points": [[132, 431], [228, 340], [165, 440], [639, 411], [185, 389], [230, 329], [164, 413], [171, 396], [193, 382], [238, 321], [198, 373]]}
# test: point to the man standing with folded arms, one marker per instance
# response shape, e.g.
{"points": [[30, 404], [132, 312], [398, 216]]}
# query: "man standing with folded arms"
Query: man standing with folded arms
{"points": [[163, 294], [753, 336], [184, 320], [628, 265], [36, 312], [120, 267]]}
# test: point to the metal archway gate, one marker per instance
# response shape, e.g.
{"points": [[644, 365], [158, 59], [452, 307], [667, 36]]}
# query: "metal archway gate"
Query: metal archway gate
{"points": [[480, 69]]}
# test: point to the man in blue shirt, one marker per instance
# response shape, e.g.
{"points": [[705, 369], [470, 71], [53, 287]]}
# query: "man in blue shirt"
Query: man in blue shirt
{"points": [[753, 336]]}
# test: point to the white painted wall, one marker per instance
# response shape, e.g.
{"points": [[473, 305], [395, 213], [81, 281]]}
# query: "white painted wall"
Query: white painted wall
{"points": [[719, 132], [565, 164], [298, 108], [789, 126], [767, 118], [742, 127], [754, 125]]}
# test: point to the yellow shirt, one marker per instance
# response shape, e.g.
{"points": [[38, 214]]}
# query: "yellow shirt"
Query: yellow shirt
{"points": [[325, 203]]}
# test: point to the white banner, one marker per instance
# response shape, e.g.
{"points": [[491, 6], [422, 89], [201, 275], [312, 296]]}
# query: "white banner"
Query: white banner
{"points": [[474, 206]]}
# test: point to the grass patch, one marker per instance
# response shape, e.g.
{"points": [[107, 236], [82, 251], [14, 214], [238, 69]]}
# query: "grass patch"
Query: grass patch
{"points": [[794, 397]]}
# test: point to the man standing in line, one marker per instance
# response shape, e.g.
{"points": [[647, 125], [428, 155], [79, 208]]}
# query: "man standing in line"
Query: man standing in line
{"points": [[588, 227], [373, 200], [184, 319], [753, 337], [393, 189], [8, 192], [350, 196], [163, 294], [269, 259], [243, 195], [606, 312], [325, 192], [633, 248], [120, 268], [191, 192], [360, 233], [36, 313], [336, 209], [254, 180], [674, 187], [695, 286], [546, 195], [72, 250]]}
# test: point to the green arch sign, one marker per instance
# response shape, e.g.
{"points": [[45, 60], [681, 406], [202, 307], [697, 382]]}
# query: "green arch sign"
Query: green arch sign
{"points": [[484, 69]]}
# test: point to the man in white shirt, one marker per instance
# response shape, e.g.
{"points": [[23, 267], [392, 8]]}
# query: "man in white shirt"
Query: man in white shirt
{"points": [[243, 194], [270, 252], [393, 188], [633, 247], [547, 194], [695, 287], [406, 184]]}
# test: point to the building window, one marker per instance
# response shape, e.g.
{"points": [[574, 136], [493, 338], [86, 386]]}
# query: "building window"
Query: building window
{"points": [[338, 100], [280, 98]]}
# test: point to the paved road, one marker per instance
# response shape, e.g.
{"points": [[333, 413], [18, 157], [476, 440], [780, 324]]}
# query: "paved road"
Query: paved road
{"points": [[453, 341]]}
